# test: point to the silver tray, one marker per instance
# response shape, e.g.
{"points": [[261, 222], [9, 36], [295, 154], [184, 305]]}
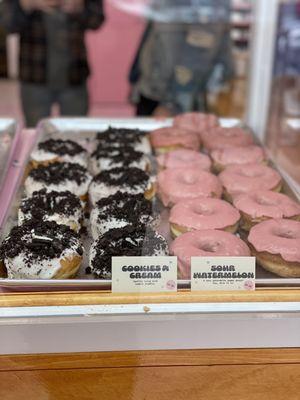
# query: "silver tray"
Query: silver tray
{"points": [[8, 141], [83, 130]]}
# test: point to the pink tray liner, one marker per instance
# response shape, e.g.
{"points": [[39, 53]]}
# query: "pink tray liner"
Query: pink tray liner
{"points": [[23, 144]]}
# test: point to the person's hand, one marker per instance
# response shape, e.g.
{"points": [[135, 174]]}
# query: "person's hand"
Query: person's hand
{"points": [[72, 6], [162, 112], [46, 6]]}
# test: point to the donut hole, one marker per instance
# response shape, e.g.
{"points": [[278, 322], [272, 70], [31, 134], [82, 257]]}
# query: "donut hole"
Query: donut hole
{"points": [[209, 247], [286, 234], [202, 210], [189, 179], [263, 201]]}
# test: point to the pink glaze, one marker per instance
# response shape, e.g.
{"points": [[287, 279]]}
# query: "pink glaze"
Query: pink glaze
{"points": [[165, 137], [196, 121], [240, 179], [179, 184], [265, 203], [277, 236], [220, 138], [238, 155], [184, 158], [206, 243], [204, 213]]}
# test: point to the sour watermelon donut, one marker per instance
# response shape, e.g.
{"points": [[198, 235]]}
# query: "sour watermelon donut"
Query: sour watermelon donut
{"points": [[206, 243], [261, 205], [220, 138], [172, 138], [203, 213], [184, 158], [237, 156], [196, 121], [276, 245], [175, 185], [241, 179]]}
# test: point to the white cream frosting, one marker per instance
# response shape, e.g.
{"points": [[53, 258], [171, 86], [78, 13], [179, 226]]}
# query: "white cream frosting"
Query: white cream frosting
{"points": [[39, 155], [32, 185], [99, 190], [104, 163]]}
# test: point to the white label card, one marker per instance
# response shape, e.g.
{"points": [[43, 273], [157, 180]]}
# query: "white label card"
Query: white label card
{"points": [[223, 273], [144, 274]]}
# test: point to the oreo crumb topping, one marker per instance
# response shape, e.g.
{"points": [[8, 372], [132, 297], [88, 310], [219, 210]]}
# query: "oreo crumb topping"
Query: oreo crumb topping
{"points": [[48, 203], [59, 172], [132, 177], [125, 206], [126, 155], [120, 136], [61, 147], [38, 241], [128, 241]]}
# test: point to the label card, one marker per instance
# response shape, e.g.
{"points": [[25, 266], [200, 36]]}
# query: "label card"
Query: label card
{"points": [[144, 274], [223, 273]]}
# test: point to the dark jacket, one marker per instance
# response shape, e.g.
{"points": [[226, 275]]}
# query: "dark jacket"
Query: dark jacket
{"points": [[33, 39]]}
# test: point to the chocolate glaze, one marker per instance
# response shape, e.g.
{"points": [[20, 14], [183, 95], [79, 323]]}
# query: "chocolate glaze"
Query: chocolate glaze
{"points": [[48, 203], [57, 172], [128, 241], [22, 240], [61, 147], [132, 177]]}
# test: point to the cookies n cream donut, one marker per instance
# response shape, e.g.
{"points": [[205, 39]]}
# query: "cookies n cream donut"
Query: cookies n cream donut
{"points": [[59, 177], [196, 121], [108, 158], [41, 250], [220, 138], [119, 210], [59, 150], [203, 213], [168, 139], [183, 158], [276, 245], [242, 179], [128, 241], [125, 180], [205, 243], [62, 207], [237, 156], [261, 205], [122, 137], [178, 184]]}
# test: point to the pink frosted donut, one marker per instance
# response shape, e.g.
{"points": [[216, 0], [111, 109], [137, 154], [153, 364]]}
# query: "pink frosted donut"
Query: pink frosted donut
{"points": [[184, 158], [179, 184], [168, 139], [240, 179], [219, 138], [203, 213], [206, 243], [237, 156], [196, 121], [276, 245], [264, 204]]}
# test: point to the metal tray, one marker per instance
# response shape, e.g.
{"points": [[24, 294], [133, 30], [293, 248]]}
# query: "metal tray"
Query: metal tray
{"points": [[8, 141], [83, 130]]}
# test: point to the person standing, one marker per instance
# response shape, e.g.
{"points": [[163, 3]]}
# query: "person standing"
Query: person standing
{"points": [[53, 57]]}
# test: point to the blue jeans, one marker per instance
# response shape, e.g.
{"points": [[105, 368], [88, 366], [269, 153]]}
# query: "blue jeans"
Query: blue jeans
{"points": [[37, 101]]}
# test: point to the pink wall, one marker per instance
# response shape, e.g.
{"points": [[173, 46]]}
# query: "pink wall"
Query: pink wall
{"points": [[111, 51]]}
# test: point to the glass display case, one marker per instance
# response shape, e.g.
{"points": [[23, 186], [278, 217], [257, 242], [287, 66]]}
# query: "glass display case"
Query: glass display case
{"points": [[84, 315]]}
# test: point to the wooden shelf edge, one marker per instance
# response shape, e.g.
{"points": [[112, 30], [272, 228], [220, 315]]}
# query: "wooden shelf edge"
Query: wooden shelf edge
{"points": [[107, 298]]}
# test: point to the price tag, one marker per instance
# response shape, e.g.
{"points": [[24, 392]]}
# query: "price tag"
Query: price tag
{"points": [[223, 273], [144, 274]]}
